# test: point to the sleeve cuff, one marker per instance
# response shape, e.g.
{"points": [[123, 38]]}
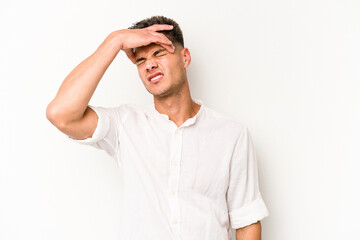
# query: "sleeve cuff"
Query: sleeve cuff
{"points": [[249, 214], [101, 130]]}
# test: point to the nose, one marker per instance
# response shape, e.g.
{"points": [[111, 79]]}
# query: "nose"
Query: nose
{"points": [[151, 64]]}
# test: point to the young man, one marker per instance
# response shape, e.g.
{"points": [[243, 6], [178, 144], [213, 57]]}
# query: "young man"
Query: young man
{"points": [[188, 172]]}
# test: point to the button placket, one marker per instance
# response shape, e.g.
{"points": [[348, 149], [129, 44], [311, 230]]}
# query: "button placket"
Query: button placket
{"points": [[174, 178]]}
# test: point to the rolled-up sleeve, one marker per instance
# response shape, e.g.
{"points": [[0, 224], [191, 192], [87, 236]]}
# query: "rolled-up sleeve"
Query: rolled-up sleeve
{"points": [[106, 134], [245, 204]]}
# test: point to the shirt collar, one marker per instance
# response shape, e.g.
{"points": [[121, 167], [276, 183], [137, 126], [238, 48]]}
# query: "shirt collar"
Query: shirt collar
{"points": [[188, 122]]}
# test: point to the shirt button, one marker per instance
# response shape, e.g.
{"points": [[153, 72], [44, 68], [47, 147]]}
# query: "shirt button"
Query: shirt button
{"points": [[175, 221], [177, 131], [174, 163], [172, 193]]}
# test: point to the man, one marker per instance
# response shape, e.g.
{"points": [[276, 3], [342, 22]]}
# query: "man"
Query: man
{"points": [[187, 171]]}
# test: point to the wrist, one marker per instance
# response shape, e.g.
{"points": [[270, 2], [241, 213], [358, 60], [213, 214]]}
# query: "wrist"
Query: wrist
{"points": [[116, 39]]}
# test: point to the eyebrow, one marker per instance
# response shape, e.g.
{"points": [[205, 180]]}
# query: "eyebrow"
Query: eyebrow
{"points": [[158, 51], [154, 54]]}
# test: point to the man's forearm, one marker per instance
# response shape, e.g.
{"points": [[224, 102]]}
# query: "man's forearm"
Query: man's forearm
{"points": [[78, 87], [251, 232]]}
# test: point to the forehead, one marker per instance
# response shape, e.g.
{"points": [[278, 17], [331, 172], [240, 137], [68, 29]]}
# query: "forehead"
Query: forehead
{"points": [[146, 49]]}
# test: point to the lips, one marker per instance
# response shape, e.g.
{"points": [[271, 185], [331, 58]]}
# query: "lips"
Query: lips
{"points": [[155, 77]]}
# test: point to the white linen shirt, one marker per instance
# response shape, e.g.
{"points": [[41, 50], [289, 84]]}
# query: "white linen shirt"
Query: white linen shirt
{"points": [[193, 182]]}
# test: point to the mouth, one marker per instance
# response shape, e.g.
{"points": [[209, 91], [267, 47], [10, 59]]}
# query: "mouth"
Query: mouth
{"points": [[155, 77]]}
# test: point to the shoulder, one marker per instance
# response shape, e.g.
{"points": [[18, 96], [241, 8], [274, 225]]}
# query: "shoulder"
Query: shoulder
{"points": [[220, 120], [120, 112]]}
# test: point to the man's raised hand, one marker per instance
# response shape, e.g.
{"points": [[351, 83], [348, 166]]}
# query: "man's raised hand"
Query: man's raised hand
{"points": [[134, 38]]}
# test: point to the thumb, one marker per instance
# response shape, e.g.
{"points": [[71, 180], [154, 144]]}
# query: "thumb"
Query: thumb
{"points": [[130, 55]]}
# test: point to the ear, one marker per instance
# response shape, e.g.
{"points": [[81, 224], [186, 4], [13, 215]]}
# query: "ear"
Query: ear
{"points": [[186, 57]]}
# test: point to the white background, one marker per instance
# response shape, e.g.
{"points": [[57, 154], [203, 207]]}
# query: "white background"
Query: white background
{"points": [[289, 70]]}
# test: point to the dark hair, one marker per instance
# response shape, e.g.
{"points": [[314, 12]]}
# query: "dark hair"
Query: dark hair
{"points": [[175, 35]]}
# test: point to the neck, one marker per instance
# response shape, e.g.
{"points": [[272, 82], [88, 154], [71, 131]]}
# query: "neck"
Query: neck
{"points": [[179, 107]]}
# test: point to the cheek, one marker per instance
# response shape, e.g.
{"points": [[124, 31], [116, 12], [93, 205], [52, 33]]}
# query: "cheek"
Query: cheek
{"points": [[169, 65], [141, 73]]}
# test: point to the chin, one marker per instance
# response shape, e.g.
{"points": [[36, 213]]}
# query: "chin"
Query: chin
{"points": [[160, 94]]}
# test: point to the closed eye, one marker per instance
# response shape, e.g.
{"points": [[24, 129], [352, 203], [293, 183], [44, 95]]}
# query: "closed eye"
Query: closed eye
{"points": [[160, 52], [139, 61]]}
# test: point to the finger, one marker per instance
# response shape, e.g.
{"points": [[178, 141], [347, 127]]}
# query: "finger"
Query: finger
{"points": [[160, 27], [161, 38], [169, 48], [164, 42]]}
